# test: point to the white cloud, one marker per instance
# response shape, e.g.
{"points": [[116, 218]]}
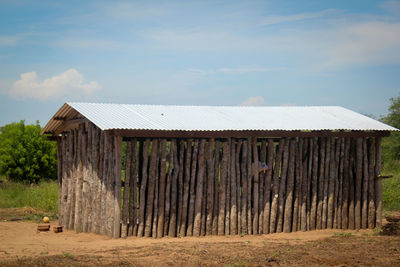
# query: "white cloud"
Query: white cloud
{"points": [[253, 101], [68, 83], [8, 40]]}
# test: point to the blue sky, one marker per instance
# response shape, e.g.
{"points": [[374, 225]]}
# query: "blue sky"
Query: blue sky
{"points": [[343, 53]]}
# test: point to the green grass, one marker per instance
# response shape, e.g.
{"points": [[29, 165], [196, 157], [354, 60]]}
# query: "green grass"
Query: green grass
{"points": [[391, 187], [43, 196]]}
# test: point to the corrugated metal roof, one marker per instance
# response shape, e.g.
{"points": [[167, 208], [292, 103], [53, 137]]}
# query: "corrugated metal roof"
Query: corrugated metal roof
{"points": [[218, 118]]}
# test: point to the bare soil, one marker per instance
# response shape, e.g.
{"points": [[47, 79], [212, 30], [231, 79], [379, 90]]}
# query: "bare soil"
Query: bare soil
{"points": [[22, 245]]}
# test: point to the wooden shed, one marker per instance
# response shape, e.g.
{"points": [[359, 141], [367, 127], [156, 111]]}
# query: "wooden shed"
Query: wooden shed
{"points": [[154, 171]]}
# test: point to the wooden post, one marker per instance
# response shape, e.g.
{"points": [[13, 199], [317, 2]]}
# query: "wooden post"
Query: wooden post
{"points": [[378, 182], [117, 193], [282, 187], [249, 186], [189, 231], [233, 200], [143, 187], [238, 186], [128, 177], [371, 185], [222, 195], [289, 189], [110, 202], [275, 187], [314, 185], [261, 180], [156, 194], [267, 186], [341, 176], [173, 173], [210, 186], [186, 187], [331, 189], [175, 230], [351, 188], [336, 176], [78, 224], [228, 191], [244, 188], [297, 186], [59, 177], [321, 181], [326, 183], [301, 177], [151, 188], [358, 184], [346, 184], [162, 185], [309, 181], [103, 190], [65, 181], [199, 190], [364, 208], [217, 151], [133, 189], [171, 166], [304, 185]]}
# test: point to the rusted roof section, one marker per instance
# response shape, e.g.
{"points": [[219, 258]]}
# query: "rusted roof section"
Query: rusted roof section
{"points": [[215, 118]]}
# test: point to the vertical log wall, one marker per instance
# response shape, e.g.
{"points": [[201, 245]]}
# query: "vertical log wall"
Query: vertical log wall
{"points": [[197, 187]]}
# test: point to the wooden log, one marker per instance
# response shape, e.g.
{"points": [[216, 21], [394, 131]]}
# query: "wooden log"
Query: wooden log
{"points": [[352, 186], [221, 193], [261, 180], [162, 186], [228, 191], [185, 205], [314, 185], [297, 187], [143, 189], [378, 182], [331, 189], [117, 192], [110, 186], [326, 183], [371, 185], [309, 182], [249, 186], [346, 184], [175, 229], [275, 187], [267, 187], [304, 185], [204, 202], [321, 181], [336, 177], [96, 175], [300, 172], [233, 187], [238, 185], [192, 198], [133, 190], [156, 194], [288, 215], [358, 184], [151, 188], [282, 187], [172, 196], [210, 186], [364, 207], [103, 192], [78, 223], [199, 189], [171, 166], [244, 225], [341, 176], [89, 174], [217, 152], [127, 184]]}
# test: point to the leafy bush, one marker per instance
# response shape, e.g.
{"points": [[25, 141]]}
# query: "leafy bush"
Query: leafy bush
{"points": [[25, 155]]}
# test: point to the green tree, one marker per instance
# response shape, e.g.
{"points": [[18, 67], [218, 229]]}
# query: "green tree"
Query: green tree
{"points": [[25, 155], [391, 145]]}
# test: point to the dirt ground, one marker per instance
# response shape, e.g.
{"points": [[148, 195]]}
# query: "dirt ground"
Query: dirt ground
{"points": [[22, 245]]}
